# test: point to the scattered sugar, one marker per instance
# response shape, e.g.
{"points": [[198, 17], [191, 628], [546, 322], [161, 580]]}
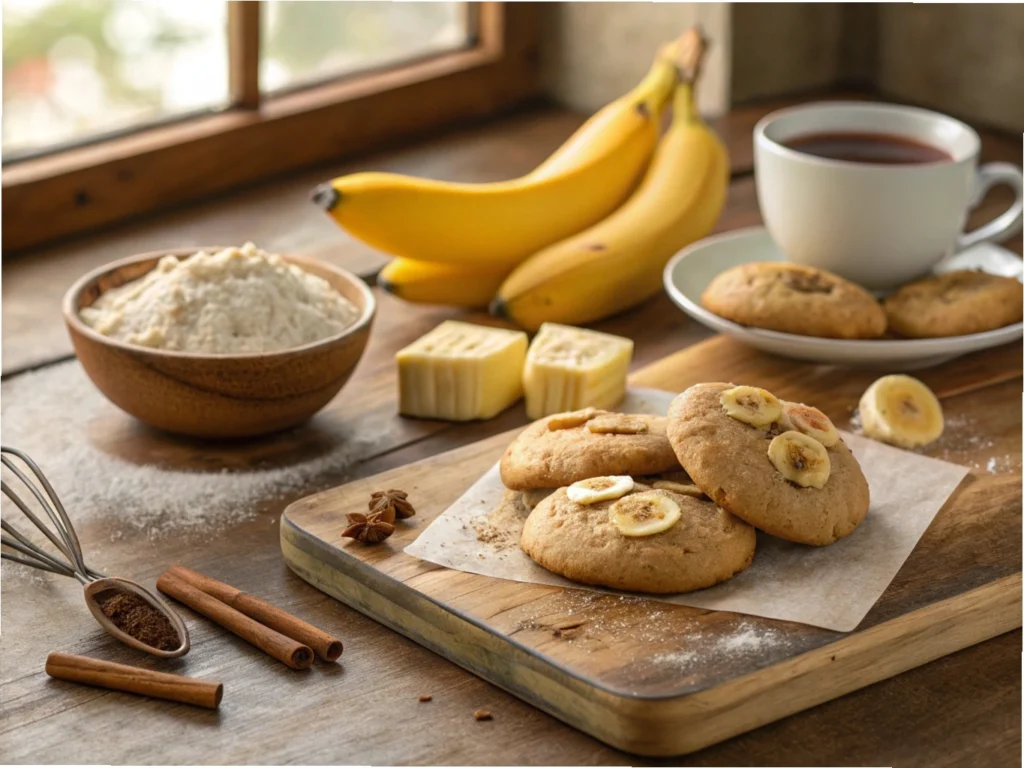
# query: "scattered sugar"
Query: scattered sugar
{"points": [[961, 438], [749, 639], [157, 501], [680, 659]]}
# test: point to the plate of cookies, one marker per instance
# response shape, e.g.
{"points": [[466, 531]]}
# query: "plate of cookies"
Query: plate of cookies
{"points": [[739, 283]]}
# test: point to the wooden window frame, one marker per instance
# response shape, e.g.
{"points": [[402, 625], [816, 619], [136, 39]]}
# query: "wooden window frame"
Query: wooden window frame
{"points": [[79, 189]]}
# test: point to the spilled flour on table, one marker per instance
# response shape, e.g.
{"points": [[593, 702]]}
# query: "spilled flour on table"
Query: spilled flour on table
{"points": [[745, 640], [157, 501]]}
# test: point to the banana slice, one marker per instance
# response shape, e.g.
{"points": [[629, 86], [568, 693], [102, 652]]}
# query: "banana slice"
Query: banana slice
{"points": [[810, 421], [686, 489], [902, 411], [597, 489], [644, 514], [617, 424], [801, 459], [571, 419], [751, 405]]}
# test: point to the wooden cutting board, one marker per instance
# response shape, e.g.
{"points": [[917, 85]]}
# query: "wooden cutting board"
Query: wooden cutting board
{"points": [[659, 679]]}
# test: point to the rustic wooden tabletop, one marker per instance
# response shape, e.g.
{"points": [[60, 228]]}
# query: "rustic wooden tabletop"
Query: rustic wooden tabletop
{"points": [[215, 507]]}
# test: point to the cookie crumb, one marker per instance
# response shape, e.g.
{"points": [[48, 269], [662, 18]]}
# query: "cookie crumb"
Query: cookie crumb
{"points": [[482, 714], [426, 698]]}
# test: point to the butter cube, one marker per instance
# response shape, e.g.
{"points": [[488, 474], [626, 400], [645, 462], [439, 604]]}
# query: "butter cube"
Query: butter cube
{"points": [[571, 368], [460, 371]]}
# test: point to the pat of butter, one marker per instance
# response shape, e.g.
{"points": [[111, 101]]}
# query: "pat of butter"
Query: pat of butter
{"points": [[460, 371], [572, 368]]}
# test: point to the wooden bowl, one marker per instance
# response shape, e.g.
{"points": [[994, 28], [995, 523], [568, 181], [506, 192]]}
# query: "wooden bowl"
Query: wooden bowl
{"points": [[217, 396]]}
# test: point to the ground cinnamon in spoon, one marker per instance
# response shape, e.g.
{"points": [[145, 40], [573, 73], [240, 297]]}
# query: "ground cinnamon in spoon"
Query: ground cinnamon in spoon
{"points": [[134, 616]]}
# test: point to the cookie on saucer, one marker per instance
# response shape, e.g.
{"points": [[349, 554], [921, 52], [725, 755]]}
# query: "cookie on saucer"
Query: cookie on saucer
{"points": [[645, 540], [955, 304], [559, 450], [792, 298], [780, 466]]}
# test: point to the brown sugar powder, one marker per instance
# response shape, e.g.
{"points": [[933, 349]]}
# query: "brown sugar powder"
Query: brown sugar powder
{"points": [[134, 616], [504, 525]]}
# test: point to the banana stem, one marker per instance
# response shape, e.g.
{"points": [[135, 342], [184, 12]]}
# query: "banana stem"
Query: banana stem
{"points": [[691, 47]]}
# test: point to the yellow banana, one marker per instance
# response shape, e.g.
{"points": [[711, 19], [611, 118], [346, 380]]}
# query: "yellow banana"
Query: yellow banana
{"points": [[502, 223], [619, 262], [425, 282]]}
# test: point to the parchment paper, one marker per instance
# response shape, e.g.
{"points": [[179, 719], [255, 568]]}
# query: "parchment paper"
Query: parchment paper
{"points": [[832, 587]]}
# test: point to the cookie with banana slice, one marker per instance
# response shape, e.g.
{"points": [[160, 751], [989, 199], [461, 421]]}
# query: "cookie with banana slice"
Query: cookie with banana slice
{"points": [[558, 450], [780, 466], [633, 537]]}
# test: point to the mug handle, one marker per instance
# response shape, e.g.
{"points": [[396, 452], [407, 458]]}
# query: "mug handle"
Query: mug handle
{"points": [[1008, 223]]}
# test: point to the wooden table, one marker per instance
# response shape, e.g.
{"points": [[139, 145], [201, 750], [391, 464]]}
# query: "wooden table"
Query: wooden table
{"points": [[962, 709]]}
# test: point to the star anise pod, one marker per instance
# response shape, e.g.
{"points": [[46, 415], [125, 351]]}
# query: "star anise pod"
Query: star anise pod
{"points": [[393, 504], [368, 529]]}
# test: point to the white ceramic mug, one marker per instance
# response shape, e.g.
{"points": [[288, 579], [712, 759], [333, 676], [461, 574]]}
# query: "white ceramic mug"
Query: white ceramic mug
{"points": [[878, 225]]}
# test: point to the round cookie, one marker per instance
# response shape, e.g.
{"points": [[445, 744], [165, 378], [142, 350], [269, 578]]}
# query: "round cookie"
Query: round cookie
{"points": [[955, 304], [791, 298], [546, 457], [728, 460], [580, 542]]}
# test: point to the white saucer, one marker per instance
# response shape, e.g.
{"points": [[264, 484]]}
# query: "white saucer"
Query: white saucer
{"points": [[690, 271]]}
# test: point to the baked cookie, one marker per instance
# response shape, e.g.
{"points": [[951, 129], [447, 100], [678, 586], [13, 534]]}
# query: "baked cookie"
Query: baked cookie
{"points": [[780, 466], [592, 544], [561, 449], [794, 299], [955, 304]]}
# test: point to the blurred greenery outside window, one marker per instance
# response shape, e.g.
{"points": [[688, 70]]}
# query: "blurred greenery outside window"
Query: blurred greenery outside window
{"points": [[75, 70]]}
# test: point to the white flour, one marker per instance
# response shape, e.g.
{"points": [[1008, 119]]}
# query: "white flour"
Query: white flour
{"points": [[159, 502], [746, 640], [239, 300]]}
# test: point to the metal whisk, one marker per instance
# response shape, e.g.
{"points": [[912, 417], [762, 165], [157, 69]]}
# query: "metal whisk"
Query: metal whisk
{"points": [[20, 549]]}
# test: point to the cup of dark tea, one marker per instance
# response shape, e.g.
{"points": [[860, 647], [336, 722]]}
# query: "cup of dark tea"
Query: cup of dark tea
{"points": [[876, 193]]}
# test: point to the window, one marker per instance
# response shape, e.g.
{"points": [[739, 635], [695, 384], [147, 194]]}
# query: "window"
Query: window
{"points": [[75, 69], [304, 42], [116, 107]]}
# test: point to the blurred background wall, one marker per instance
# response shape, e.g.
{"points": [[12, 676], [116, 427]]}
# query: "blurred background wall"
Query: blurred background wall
{"points": [[593, 52], [965, 59]]}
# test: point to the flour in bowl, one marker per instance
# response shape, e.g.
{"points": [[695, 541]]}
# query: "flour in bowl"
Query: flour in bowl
{"points": [[234, 301]]}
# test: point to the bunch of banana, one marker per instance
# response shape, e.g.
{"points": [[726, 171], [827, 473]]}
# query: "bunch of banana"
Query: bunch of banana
{"points": [[498, 225], [618, 263], [573, 241]]}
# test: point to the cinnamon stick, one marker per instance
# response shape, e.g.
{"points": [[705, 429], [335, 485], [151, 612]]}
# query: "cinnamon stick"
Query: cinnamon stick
{"points": [[284, 649], [326, 647], [121, 677]]}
